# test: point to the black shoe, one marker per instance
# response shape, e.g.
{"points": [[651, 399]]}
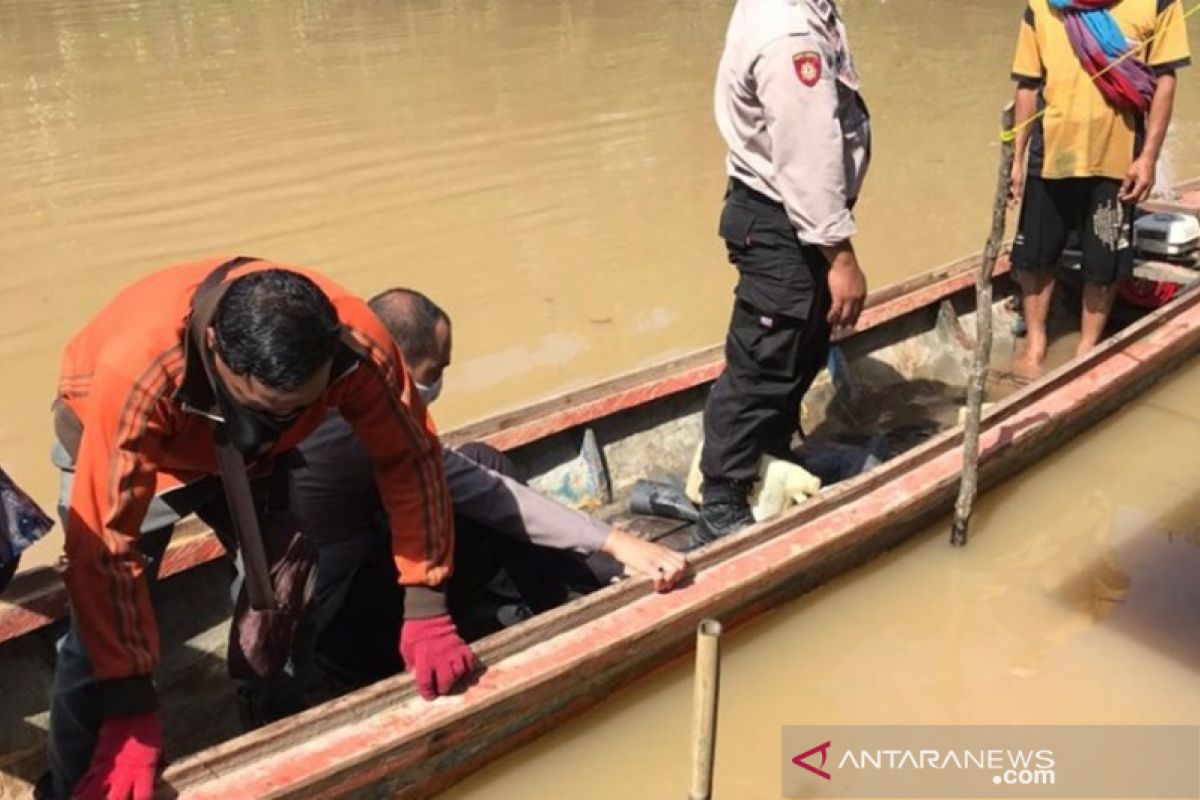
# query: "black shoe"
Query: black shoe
{"points": [[725, 511], [44, 788]]}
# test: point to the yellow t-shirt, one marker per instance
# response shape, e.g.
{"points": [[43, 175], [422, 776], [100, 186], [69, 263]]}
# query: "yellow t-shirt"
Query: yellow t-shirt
{"points": [[1081, 135]]}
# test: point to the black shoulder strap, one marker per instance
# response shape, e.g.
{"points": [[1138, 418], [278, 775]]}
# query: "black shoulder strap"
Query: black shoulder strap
{"points": [[230, 463]]}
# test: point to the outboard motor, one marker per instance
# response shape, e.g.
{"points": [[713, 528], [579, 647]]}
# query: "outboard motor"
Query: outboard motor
{"points": [[1168, 236]]}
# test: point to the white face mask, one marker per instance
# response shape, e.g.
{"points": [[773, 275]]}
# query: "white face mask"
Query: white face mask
{"points": [[430, 393]]}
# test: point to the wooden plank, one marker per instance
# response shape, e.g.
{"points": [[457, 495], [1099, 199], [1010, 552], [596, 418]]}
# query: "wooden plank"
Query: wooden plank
{"points": [[1169, 207], [954, 269], [39, 599], [1166, 272], [44, 599], [406, 747], [1143, 268]]}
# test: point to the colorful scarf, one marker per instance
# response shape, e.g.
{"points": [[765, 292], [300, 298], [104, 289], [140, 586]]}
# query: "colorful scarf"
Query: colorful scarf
{"points": [[1098, 42]]}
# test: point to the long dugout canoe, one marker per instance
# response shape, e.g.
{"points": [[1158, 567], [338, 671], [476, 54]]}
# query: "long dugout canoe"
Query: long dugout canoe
{"points": [[627, 413], [38, 599], [385, 740]]}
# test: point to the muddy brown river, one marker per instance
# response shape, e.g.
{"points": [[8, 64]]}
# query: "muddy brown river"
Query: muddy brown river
{"points": [[548, 170]]}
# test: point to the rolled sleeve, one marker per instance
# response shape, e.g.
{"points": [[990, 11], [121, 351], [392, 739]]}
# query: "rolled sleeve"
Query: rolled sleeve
{"points": [[799, 94]]}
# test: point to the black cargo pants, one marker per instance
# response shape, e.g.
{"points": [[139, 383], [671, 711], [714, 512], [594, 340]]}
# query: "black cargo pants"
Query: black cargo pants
{"points": [[777, 343]]}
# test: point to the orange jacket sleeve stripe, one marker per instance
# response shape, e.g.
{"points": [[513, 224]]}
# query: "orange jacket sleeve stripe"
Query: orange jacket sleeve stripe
{"points": [[374, 405], [114, 483]]}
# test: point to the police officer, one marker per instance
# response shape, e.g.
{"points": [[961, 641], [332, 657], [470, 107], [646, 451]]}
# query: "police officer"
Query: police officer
{"points": [[787, 104]]}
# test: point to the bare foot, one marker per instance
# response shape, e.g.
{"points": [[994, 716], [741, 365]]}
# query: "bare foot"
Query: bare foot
{"points": [[1032, 361], [1028, 369], [1084, 347]]}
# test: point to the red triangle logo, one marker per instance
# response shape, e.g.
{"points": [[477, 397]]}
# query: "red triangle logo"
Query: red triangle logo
{"points": [[823, 749]]}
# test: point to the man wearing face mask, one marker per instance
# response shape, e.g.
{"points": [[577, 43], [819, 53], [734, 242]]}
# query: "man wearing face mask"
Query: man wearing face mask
{"points": [[178, 397], [499, 522]]}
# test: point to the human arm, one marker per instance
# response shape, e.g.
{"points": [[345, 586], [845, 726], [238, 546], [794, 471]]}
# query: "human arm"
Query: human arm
{"points": [[515, 510], [1024, 106], [1139, 179], [1028, 72], [1167, 53], [662, 565], [123, 419], [381, 405], [801, 102], [847, 283]]}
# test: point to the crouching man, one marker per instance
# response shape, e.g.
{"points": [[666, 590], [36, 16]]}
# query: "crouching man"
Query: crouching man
{"points": [[499, 523], [180, 396]]}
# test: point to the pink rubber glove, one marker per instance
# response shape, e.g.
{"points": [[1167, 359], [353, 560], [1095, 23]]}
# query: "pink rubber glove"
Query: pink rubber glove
{"points": [[125, 760], [435, 654]]}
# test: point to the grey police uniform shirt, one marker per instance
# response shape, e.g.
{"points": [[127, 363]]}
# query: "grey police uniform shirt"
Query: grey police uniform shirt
{"points": [[788, 107], [334, 496]]}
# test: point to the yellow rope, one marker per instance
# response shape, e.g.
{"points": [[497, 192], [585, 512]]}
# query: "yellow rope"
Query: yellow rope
{"points": [[1011, 133]]}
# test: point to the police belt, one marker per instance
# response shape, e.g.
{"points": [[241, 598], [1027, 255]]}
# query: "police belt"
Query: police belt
{"points": [[737, 189]]}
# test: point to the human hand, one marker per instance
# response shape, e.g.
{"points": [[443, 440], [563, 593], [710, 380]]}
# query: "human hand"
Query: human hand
{"points": [[435, 654], [661, 564], [847, 288], [1139, 180], [1016, 183], [125, 760]]}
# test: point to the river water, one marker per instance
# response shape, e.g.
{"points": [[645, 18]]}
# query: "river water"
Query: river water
{"points": [[1074, 602], [549, 172]]}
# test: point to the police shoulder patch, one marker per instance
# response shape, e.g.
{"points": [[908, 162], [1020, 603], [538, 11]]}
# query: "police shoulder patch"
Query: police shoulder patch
{"points": [[808, 67]]}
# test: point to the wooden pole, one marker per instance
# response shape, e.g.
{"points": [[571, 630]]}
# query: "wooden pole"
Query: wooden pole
{"points": [[983, 336], [704, 708]]}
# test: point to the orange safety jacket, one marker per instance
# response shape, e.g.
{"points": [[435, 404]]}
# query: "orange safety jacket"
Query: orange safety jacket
{"points": [[134, 395]]}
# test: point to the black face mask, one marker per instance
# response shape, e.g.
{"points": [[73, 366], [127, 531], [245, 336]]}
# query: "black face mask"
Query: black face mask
{"points": [[251, 431]]}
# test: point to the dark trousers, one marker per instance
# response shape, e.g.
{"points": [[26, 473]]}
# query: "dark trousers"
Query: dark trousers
{"points": [[360, 639], [541, 574], [777, 343]]}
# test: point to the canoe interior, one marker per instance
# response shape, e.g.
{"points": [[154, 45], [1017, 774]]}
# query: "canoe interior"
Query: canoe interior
{"points": [[899, 383], [890, 388]]}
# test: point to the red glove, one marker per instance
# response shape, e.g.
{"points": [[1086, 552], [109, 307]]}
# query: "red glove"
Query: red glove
{"points": [[125, 760], [435, 654]]}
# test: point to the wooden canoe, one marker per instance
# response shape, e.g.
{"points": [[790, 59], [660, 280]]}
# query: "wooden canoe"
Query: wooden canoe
{"points": [[913, 343]]}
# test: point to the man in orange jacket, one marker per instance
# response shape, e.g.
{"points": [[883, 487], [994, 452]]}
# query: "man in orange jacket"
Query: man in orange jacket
{"points": [[185, 369]]}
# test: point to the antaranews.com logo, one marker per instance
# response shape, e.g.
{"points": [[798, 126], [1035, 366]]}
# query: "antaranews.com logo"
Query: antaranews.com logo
{"points": [[1020, 767], [991, 761]]}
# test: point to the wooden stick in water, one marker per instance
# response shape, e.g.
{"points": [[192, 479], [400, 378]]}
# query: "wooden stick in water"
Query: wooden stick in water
{"points": [[983, 336], [704, 708]]}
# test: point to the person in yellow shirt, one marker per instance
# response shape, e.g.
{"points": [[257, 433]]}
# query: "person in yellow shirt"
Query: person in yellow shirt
{"points": [[1083, 164]]}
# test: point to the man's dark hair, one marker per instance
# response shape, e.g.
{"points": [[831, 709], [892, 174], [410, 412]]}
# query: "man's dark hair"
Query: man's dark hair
{"points": [[411, 318], [276, 326]]}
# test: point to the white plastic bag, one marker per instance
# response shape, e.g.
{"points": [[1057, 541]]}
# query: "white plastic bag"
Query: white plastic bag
{"points": [[780, 484]]}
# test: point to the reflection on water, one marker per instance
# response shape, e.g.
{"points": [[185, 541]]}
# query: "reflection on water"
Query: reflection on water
{"points": [[548, 171], [1076, 601]]}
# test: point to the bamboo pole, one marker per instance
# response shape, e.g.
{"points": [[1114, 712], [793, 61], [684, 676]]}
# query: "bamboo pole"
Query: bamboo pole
{"points": [[968, 487], [704, 708]]}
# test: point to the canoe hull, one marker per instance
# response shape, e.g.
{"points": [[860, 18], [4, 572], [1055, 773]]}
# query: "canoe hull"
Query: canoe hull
{"points": [[401, 746]]}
